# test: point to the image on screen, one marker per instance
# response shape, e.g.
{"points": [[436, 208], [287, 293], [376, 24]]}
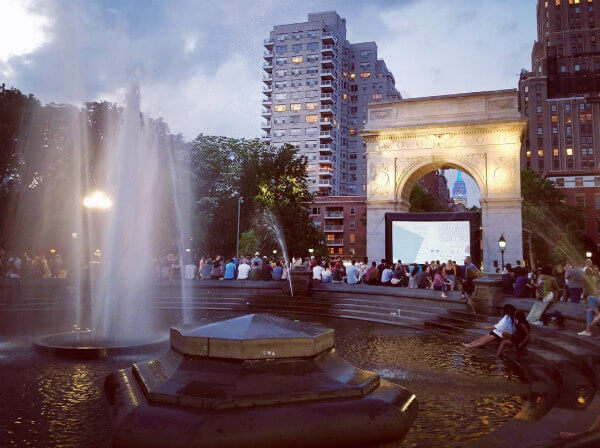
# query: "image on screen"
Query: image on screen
{"points": [[421, 241]]}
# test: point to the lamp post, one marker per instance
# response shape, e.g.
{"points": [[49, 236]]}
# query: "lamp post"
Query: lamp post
{"points": [[502, 246], [311, 251], [237, 244], [588, 254]]}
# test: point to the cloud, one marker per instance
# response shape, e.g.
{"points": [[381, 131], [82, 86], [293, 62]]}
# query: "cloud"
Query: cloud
{"points": [[201, 61]]}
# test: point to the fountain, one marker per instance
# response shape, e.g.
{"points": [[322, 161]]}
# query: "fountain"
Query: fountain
{"points": [[123, 219], [255, 380]]}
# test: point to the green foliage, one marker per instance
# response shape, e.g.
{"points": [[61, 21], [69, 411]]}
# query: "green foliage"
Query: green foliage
{"points": [[423, 201], [249, 243], [549, 224], [225, 169]]}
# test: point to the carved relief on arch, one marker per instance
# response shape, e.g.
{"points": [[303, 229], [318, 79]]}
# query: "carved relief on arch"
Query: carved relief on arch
{"points": [[381, 180], [502, 175]]}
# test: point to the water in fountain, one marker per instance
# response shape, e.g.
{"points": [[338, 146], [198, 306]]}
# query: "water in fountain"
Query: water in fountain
{"points": [[267, 222]]}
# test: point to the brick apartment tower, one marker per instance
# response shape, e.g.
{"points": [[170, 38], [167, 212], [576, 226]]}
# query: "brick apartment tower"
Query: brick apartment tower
{"points": [[317, 87], [560, 97]]}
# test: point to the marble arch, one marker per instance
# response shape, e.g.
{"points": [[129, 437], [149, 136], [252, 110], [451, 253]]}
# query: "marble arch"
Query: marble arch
{"points": [[479, 133]]}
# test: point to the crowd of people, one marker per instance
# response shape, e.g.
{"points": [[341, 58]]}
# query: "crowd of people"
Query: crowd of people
{"points": [[27, 267]]}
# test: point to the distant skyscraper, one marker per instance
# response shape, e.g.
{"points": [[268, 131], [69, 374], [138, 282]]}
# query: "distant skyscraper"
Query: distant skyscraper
{"points": [[459, 191], [317, 87]]}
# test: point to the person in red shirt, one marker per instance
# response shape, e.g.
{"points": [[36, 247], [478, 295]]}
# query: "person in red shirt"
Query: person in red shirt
{"points": [[372, 274]]}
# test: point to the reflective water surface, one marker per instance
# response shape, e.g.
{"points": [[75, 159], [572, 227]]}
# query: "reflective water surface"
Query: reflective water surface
{"points": [[48, 401]]}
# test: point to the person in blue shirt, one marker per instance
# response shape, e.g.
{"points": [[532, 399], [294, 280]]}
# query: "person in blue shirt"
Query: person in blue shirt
{"points": [[230, 270], [277, 271], [352, 273], [256, 259]]}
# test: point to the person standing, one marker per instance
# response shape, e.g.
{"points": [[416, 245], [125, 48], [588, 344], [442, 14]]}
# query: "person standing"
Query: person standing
{"points": [[352, 275], [576, 279]]}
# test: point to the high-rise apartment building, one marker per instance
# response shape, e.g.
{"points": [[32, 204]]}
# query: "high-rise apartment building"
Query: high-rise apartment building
{"points": [[459, 191], [560, 97], [317, 87]]}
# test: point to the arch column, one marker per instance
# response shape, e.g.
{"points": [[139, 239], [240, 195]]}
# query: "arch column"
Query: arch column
{"points": [[501, 217]]}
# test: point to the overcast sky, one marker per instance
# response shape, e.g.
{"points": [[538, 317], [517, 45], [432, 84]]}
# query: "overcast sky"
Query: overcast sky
{"points": [[200, 61]]}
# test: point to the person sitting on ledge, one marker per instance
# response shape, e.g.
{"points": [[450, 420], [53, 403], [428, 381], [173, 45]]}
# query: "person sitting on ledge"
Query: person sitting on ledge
{"points": [[230, 270], [255, 272], [326, 274], [521, 337], [386, 276], [508, 280], [593, 316], [504, 329], [371, 275], [277, 271], [243, 270], [352, 275], [440, 282]]}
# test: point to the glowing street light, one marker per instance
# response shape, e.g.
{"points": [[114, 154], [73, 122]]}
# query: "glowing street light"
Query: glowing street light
{"points": [[310, 251], [97, 200], [588, 254], [502, 246]]}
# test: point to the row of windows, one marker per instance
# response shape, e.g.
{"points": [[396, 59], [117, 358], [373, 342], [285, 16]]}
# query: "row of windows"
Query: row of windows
{"points": [[568, 151], [298, 131], [310, 46], [298, 35], [296, 106], [296, 71], [298, 59]]}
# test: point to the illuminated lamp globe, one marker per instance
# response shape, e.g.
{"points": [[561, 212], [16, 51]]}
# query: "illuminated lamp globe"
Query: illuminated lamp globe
{"points": [[502, 243], [97, 200]]}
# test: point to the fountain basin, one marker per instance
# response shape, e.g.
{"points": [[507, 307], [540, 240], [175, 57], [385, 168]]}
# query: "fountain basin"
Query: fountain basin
{"points": [[302, 394], [84, 344]]}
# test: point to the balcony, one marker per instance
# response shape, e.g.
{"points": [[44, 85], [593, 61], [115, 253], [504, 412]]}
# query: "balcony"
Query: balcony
{"points": [[326, 109], [325, 148], [267, 89], [268, 79], [268, 43], [266, 113], [327, 49], [327, 73], [325, 183], [334, 215], [267, 102], [326, 135], [325, 171], [328, 37], [266, 137], [326, 97], [328, 62], [326, 124], [268, 66], [266, 124], [335, 242], [327, 86], [325, 160], [268, 55], [334, 228]]}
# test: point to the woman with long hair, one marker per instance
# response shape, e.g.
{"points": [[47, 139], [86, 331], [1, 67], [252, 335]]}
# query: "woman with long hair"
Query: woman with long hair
{"points": [[521, 336], [504, 329]]}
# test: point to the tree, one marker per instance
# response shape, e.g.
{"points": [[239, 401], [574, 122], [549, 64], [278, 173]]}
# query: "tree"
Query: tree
{"points": [[549, 223], [422, 201]]}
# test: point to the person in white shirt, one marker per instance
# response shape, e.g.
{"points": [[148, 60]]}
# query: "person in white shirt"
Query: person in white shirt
{"points": [[317, 271], [191, 271], [386, 276], [243, 270], [326, 274], [504, 328]]}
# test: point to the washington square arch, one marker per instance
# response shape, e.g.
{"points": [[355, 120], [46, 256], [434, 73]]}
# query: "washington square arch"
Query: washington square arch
{"points": [[477, 133]]}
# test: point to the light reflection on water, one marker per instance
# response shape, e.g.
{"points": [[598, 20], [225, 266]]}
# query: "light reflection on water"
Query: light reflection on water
{"points": [[48, 401]]}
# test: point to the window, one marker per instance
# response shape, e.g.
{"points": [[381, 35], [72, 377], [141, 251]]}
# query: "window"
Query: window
{"points": [[280, 120], [352, 224], [352, 210], [540, 131], [580, 200], [597, 201], [281, 61], [540, 153], [365, 53], [311, 81], [569, 151], [312, 106], [310, 144], [579, 181], [365, 75], [280, 72], [315, 211], [352, 238], [365, 65], [352, 157], [352, 251], [312, 118], [555, 152], [313, 33], [297, 48], [297, 35], [312, 57], [280, 108], [377, 96], [528, 154], [311, 131], [296, 106], [280, 49], [295, 131], [296, 59], [597, 225], [281, 37], [281, 96], [353, 131], [280, 84], [312, 70], [279, 133], [296, 71], [296, 83], [311, 46], [560, 182]]}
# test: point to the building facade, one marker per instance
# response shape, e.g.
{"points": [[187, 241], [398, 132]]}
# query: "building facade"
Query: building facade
{"points": [[317, 86], [561, 99], [343, 222], [437, 186], [459, 191]]}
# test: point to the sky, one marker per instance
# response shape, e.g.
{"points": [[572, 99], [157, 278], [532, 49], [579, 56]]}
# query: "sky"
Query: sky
{"points": [[200, 61]]}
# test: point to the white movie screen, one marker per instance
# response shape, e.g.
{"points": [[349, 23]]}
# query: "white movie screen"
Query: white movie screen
{"points": [[421, 241]]}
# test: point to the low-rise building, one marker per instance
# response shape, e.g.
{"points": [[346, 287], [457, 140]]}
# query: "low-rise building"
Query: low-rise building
{"points": [[343, 220]]}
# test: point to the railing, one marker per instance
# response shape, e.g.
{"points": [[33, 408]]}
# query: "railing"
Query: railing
{"points": [[327, 47], [325, 134], [268, 78], [268, 54], [268, 42], [326, 84], [334, 228], [325, 147], [335, 242], [266, 112], [266, 136], [327, 71], [326, 95], [325, 159], [337, 214], [268, 65], [266, 124]]}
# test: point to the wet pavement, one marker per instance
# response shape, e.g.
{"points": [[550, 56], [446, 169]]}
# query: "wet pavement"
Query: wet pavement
{"points": [[49, 401]]}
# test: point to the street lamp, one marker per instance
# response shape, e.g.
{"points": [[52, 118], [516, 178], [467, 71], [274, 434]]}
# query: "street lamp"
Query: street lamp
{"points": [[588, 254], [502, 246], [237, 244], [310, 251], [97, 200], [274, 251]]}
